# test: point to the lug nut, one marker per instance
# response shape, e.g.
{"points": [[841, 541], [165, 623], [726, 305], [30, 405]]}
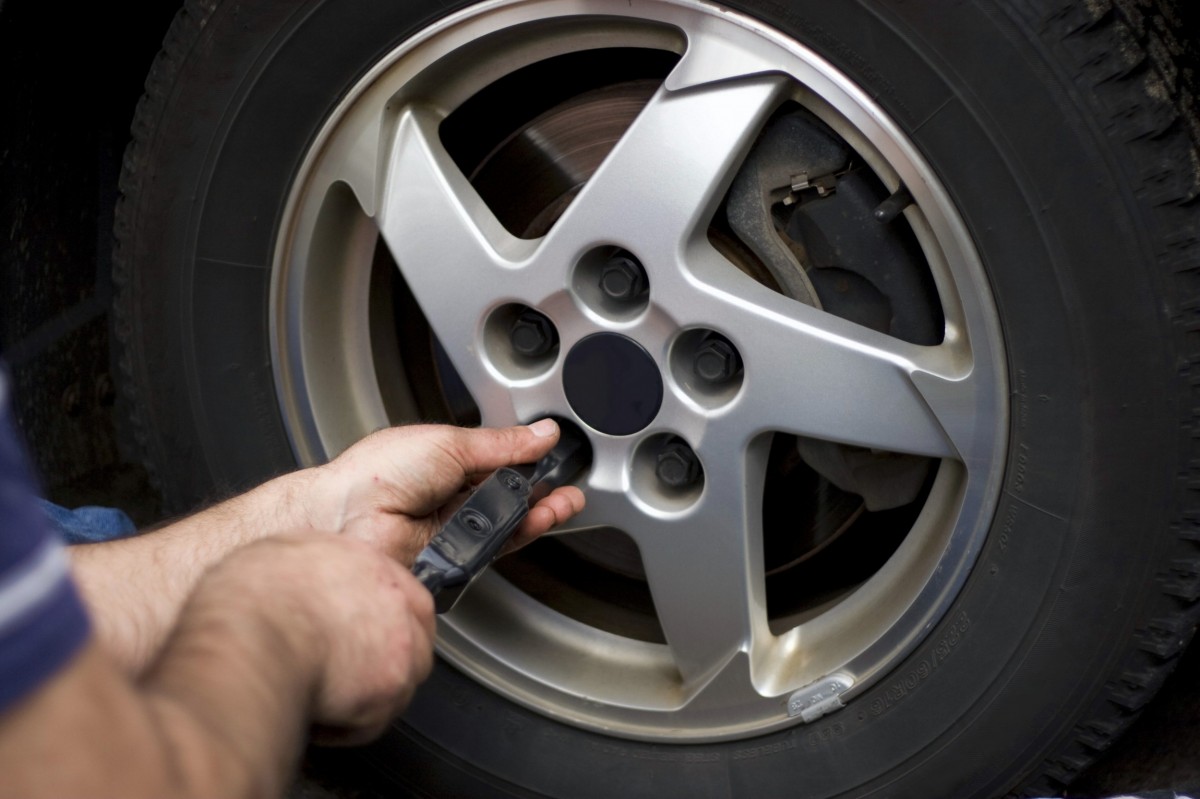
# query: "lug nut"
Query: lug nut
{"points": [[677, 465], [716, 359], [623, 278], [532, 334]]}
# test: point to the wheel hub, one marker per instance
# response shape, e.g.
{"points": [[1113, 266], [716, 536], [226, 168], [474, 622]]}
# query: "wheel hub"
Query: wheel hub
{"points": [[613, 384]]}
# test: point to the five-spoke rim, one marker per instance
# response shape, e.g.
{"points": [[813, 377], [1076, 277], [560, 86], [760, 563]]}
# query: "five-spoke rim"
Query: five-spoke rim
{"points": [[379, 172]]}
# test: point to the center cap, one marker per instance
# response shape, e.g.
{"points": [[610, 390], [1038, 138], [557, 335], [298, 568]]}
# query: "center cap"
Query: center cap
{"points": [[612, 383]]}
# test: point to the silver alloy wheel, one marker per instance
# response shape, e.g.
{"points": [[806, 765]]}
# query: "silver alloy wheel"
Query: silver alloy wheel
{"points": [[379, 171]]}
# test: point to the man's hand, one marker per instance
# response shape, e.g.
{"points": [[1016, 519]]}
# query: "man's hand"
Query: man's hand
{"points": [[330, 619], [392, 489]]}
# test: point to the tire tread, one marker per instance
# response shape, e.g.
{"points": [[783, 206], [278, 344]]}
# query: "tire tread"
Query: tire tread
{"points": [[1140, 77], [180, 39]]}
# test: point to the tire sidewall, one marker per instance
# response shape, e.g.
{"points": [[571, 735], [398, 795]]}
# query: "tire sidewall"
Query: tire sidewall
{"points": [[1061, 577]]}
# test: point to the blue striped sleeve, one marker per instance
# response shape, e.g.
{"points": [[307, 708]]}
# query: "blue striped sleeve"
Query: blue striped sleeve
{"points": [[42, 620]]}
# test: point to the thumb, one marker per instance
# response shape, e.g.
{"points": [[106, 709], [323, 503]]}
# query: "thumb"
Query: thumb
{"points": [[486, 449]]}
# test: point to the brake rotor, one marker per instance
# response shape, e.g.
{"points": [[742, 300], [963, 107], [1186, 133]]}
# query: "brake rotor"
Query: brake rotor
{"points": [[530, 177]]}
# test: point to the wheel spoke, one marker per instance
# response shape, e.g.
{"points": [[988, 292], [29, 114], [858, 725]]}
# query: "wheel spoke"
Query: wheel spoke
{"points": [[711, 57], [704, 570], [810, 373], [352, 157], [605, 508], [665, 177], [456, 257]]}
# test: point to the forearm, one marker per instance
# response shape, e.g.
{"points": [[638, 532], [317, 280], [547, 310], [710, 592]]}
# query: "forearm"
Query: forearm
{"points": [[135, 587], [233, 688], [221, 713], [298, 630], [287, 632], [93, 727]]}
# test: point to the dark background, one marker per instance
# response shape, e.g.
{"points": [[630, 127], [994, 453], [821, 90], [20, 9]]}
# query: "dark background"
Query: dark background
{"points": [[70, 79]]}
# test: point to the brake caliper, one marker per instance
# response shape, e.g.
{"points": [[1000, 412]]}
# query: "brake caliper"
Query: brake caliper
{"points": [[826, 230]]}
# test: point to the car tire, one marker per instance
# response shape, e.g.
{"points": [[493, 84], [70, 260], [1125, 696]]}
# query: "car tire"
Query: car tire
{"points": [[1059, 139]]}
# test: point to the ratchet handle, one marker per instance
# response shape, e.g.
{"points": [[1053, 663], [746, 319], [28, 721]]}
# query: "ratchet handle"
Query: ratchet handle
{"points": [[473, 537]]}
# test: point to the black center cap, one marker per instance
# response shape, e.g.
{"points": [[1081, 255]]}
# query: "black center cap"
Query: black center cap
{"points": [[613, 384]]}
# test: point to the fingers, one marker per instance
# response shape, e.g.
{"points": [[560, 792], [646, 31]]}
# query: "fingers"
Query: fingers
{"points": [[551, 511], [399, 485], [375, 669], [554, 509], [420, 603], [412, 471]]}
